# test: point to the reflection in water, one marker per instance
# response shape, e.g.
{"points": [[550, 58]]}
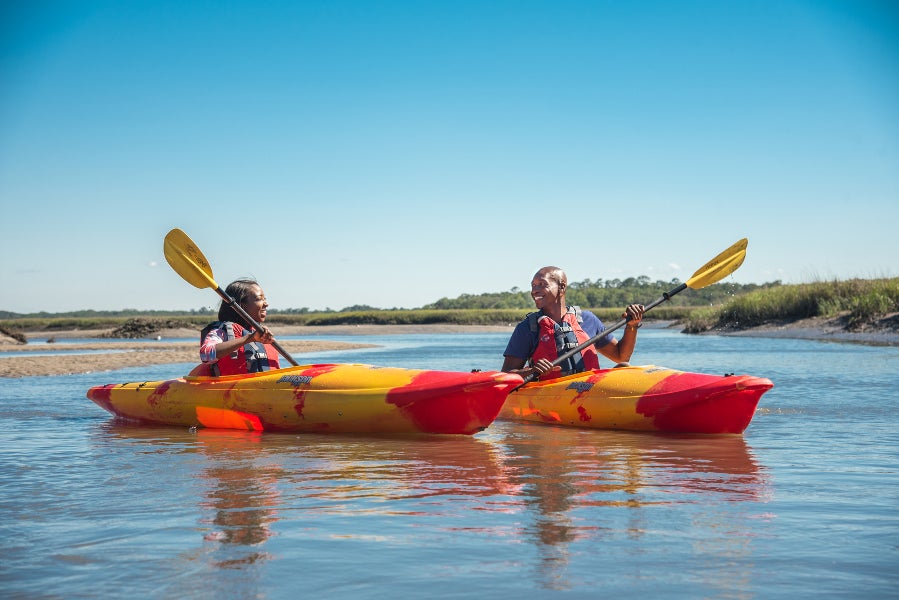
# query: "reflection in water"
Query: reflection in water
{"points": [[243, 495], [385, 469], [559, 486], [237, 499], [570, 471]]}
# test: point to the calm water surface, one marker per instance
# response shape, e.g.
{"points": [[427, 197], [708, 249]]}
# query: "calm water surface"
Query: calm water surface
{"points": [[804, 504]]}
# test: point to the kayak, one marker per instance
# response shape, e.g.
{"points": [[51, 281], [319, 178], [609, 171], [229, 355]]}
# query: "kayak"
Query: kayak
{"points": [[339, 398], [641, 398]]}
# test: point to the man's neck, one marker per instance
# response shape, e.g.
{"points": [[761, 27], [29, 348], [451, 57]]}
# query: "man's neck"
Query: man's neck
{"points": [[556, 311]]}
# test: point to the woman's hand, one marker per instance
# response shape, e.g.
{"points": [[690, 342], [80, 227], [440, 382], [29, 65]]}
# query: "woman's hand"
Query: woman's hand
{"points": [[261, 335]]}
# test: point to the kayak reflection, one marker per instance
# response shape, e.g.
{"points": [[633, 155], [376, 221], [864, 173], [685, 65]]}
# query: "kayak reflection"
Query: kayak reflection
{"points": [[569, 470], [560, 489]]}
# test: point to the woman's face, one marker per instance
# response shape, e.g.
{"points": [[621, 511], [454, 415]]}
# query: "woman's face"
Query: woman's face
{"points": [[255, 304]]}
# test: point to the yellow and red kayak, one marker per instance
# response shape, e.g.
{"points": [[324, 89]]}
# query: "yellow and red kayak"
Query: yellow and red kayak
{"points": [[647, 398], [317, 398]]}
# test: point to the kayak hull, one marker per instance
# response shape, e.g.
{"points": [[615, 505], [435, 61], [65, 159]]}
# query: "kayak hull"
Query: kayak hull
{"points": [[641, 398], [338, 398]]}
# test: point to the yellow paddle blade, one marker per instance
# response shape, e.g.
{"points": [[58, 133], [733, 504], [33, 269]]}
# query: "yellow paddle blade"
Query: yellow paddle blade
{"points": [[719, 267], [187, 260]]}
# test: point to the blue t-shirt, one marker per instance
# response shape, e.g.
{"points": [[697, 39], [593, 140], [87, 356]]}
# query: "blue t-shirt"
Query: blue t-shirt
{"points": [[524, 342]]}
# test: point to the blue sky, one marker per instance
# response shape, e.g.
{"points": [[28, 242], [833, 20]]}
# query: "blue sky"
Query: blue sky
{"points": [[393, 153]]}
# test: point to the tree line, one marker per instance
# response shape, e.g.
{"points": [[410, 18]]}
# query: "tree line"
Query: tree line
{"points": [[599, 293], [610, 293]]}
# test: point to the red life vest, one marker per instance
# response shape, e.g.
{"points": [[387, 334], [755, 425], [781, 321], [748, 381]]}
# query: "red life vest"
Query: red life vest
{"points": [[249, 358], [554, 340]]}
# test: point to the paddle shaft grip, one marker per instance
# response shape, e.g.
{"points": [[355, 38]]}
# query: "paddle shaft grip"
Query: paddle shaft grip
{"points": [[240, 310], [663, 298]]}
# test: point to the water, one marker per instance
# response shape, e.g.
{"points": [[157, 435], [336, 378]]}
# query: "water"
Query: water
{"points": [[803, 504]]}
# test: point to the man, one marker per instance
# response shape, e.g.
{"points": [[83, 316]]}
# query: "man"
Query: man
{"points": [[555, 328]]}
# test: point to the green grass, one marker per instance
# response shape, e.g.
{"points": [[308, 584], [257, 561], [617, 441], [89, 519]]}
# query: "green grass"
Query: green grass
{"points": [[487, 316], [314, 319], [861, 300]]}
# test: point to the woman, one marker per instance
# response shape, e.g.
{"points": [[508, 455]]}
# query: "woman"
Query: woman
{"points": [[230, 345]]}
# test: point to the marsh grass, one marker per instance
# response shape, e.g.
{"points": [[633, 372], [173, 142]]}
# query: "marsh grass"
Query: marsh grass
{"points": [[486, 316], [861, 301], [149, 324]]}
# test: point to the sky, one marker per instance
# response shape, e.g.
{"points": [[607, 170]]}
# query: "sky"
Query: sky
{"points": [[393, 153]]}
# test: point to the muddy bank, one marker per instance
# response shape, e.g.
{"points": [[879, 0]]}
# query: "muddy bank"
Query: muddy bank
{"points": [[884, 332]]}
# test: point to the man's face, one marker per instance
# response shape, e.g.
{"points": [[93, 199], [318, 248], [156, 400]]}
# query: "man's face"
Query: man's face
{"points": [[544, 290]]}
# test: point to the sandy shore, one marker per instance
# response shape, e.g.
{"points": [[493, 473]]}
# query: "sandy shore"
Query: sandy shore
{"points": [[25, 360]]}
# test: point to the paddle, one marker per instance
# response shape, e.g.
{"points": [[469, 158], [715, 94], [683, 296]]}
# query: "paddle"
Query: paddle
{"points": [[715, 270], [188, 261]]}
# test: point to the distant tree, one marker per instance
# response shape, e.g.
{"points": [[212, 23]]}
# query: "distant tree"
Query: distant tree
{"points": [[358, 308]]}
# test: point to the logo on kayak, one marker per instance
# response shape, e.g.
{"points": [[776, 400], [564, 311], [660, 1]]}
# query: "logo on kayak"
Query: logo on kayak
{"points": [[296, 380], [580, 386]]}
